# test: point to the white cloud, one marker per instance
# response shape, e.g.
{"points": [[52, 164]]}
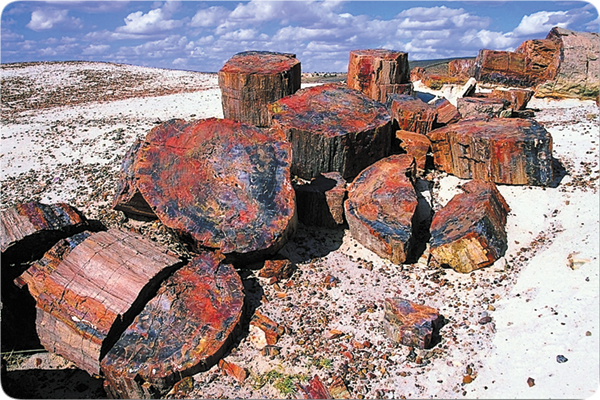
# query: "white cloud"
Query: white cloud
{"points": [[95, 49], [174, 44], [541, 22], [240, 34], [212, 16], [44, 19], [154, 21]]}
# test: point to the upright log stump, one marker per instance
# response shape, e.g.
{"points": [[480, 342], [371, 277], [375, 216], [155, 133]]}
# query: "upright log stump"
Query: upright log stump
{"points": [[379, 72], [411, 114], [514, 151], [183, 330], [380, 207], [469, 232], [219, 184], [251, 80], [332, 128], [90, 287]]}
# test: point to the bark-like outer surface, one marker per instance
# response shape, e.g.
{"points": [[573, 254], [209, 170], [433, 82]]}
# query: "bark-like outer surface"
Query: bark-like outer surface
{"points": [[514, 151], [381, 205], [411, 324], [251, 80], [223, 184], [332, 128], [469, 232], [183, 330]]}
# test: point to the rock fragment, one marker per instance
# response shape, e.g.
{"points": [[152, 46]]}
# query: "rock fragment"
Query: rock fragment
{"points": [[411, 114], [481, 107], [277, 268], [469, 232], [315, 389], [270, 328], [518, 98], [447, 113], [321, 201], [411, 324], [416, 145], [503, 67]]}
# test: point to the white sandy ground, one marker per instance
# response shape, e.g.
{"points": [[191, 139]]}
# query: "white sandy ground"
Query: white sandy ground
{"points": [[540, 307]]}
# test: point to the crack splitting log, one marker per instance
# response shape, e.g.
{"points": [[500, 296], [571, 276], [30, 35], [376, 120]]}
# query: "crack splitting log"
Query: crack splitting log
{"points": [[321, 202], [381, 205], [183, 330], [469, 232], [218, 183], [332, 128]]}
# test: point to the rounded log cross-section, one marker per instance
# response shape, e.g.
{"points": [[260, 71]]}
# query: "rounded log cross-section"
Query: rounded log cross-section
{"points": [[249, 81], [379, 72], [332, 128], [218, 183]]}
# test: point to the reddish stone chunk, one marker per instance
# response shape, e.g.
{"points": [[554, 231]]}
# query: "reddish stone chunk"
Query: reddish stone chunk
{"points": [[338, 389], [503, 150], [332, 128], [469, 232], [89, 287], [411, 114], [235, 371], [219, 183], [503, 67], [321, 202], [415, 145], [518, 98], [271, 329], [481, 107], [381, 205], [314, 390], [249, 81], [183, 330], [411, 324], [542, 57], [447, 113], [280, 269], [379, 72], [461, 68]]}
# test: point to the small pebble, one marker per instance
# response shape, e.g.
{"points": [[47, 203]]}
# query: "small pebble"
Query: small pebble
{"points": [[561, 359]]}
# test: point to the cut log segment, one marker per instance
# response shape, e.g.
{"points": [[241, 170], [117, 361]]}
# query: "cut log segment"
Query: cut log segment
{"points": [[332, 128], [89, 287], [28, 230], [447, 113], [469, 232], [514, 151], [481, 107], [251, 80], [379, 72], [381, 205], [183, 330], [411, 324], [415, 145], [321, 202], [217, 183], [411, 114]]}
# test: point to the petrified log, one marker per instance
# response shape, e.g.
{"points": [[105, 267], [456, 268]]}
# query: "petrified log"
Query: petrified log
{"points": [[28, 230], [332, 128], [410, 113], [411, 324], [504, 68], [469, 232], [321, 202], [542, 58], [447, 113], [415, 145], [252, 79], [381, 205], [183, 330], [514, 151], [518, 98], [378, 72], [461, 68], [481, 107], [217, 183], [90, 287], [579, 68]]}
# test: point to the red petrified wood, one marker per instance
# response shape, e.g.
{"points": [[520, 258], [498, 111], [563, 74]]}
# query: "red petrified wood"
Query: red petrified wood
{"points": [[481, 107], [469, 232], [249, 81], [503, 67], [183, 330], [518, 98], [513, 151], [447, 113], [321, 202], [411, 114], [415, 145], [411, 324], [89, 287], [379, 72], [381, 205], [222, 184], [332, 128]]}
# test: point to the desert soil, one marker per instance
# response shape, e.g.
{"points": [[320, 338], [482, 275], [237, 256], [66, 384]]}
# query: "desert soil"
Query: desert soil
{"points": [[66, 127]]}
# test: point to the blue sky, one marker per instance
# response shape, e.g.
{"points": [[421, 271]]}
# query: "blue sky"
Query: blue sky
{"points": [[201, 36]]}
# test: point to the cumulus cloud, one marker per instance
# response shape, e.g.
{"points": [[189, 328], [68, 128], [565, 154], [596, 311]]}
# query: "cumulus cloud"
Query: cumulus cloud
{"points": [[45, 19], [212, 16], [154, 21], [94, 49]]}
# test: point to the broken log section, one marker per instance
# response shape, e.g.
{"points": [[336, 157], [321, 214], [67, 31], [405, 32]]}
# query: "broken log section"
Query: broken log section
{"points": [[415, 145], [321, 202], [411, 324], [481, 107], [411, 114]]}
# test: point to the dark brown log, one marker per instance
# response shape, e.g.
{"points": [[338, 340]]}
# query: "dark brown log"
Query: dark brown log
{"points": [[321, 202], [514, 151], [469, 232], [411, 324], [381, 205], [411, 114], [415, 145], [217, 183], [504, 68], [378, 72], [447, 113], [183, 330], [89, 287], [481, 107], [332, 128], [249, 81]]}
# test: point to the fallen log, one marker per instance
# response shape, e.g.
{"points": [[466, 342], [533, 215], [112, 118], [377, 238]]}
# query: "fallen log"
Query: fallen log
{"points": [[411, 324], [183, 330], [411, 114], [469, 232], [249, 81], [332, 128], [504, 68], [513, 151], [321, 201], [381, 205], [217, 183]]}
